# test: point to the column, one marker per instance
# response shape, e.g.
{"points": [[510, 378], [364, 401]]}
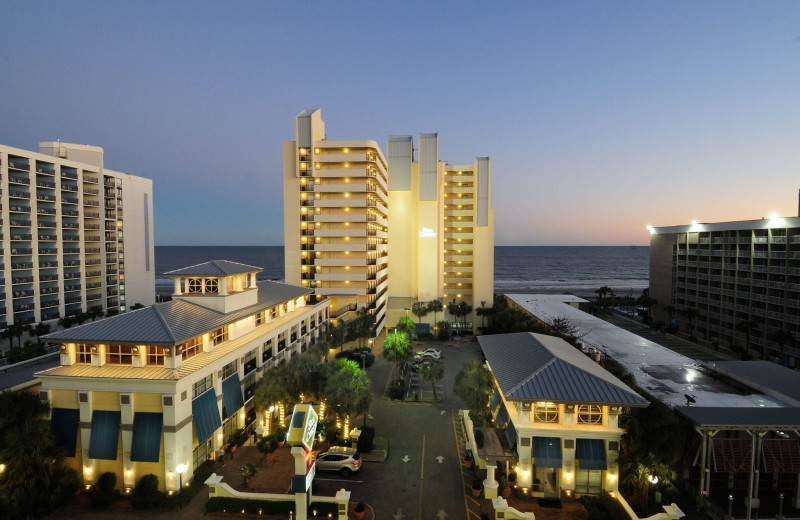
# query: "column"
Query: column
{"points": [[177, 286], [490, 484]]}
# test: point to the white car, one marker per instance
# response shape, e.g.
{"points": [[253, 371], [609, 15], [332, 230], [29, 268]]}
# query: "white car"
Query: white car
{"points": [[430, 353]]}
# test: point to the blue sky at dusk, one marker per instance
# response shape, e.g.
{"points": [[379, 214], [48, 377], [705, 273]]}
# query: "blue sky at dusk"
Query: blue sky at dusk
{"points": [[600, 117]]}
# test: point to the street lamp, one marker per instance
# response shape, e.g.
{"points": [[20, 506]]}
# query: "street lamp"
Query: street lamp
{"points": [[180, 468], [406, 309]]}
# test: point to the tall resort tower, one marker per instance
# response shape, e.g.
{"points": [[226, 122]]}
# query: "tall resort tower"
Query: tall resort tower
{"points": [[441, 220], [335, 219]]}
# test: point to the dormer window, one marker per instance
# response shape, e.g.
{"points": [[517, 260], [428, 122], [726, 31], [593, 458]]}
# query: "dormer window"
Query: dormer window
{"points": [[195, 285], [212, 285], [590, 414], [545, 412]]}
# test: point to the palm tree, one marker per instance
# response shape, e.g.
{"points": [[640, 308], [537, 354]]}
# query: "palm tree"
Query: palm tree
{"points": [[646, 301], [601, 293], [435, 306], [18, 330], [396, 347], [690, 313], [432, 371], [347, 389], [670, 310], [420, 310], [483, 311], [406, 325], [247, 471], [782, 337], [463, 310], [41, 329], [474, 385]]}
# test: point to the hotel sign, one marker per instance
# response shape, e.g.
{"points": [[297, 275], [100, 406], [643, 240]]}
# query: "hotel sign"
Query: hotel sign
{"points": [[427, 232], [303, 426]]}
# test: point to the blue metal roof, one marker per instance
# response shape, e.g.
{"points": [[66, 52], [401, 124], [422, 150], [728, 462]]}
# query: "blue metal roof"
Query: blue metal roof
{"points": [[535, 367], [172, 322], [214, 268]]}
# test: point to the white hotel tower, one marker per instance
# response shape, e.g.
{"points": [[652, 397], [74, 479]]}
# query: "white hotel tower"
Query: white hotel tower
{"points": [[75, 236]]}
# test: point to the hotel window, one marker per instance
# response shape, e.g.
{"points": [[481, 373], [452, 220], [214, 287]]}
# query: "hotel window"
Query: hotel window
{"points": [[545, 412], [250, 361], [212, 285], [155, 355], [119, 355], [219, 335], [202, 453], [202, 386], [230, 369], [267, 353], [273, 312], [192, 347], [261, 318], [590, 414], [195, 285], [83, 353]]}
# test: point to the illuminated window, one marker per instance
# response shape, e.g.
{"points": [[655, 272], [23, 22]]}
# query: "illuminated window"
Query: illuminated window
{"points": [[202, 386], [545, 412], [119, 355], [192, 347], [83, 353], [212, 285], [261, 317], [590, 414], [219, 335], [155, 355]]}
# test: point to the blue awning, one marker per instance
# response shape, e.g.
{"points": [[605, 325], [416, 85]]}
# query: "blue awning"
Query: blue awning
{"points": [[232, 398], [547, 452], [104, 438], [511, 435], [494, 401], [591, 453], [146, 442], [502, 417], [64, 423], [206, 415]]}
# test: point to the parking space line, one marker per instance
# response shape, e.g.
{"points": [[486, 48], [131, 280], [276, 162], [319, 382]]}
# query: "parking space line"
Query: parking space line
{"points": [[460, 459]]}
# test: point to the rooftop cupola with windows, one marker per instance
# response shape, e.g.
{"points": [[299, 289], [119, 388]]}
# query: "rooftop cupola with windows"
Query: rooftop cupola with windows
{"points": [[219, 285]]}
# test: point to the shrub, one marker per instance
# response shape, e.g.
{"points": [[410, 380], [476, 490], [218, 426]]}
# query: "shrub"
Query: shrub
{"points": [[603, 507], [355, 355], [478, 437], [396, 392], [366, 439], [104, 494], [146, 494]]}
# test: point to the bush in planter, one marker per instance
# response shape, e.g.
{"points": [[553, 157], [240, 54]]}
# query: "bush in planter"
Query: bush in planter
{"points": [[104, 494], [478, 437], [366, 439], [396, 392]]}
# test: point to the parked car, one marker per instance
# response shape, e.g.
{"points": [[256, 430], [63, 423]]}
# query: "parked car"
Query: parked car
{"points": [[339, 458], [430, 352]]}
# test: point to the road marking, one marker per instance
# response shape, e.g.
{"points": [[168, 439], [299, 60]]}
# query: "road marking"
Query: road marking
{"points": [[398, 515], [442, 412], [336, 480], [460, 459], [441, 515], [439, 459], [422, 466]]}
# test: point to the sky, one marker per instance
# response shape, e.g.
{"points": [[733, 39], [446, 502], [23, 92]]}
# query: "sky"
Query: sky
{"points": [[600, 117]]}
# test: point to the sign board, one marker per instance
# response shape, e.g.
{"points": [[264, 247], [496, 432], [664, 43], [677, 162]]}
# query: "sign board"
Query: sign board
{"points": [[427, 232], [303, 426]]}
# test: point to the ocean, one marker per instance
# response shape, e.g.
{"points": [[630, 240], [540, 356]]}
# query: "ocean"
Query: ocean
{"points": [[526, 269]]}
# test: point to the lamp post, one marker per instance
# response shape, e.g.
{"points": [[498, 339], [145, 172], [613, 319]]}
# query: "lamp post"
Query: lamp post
{"points": [[730, 506], [406, 309], [180, 468]]}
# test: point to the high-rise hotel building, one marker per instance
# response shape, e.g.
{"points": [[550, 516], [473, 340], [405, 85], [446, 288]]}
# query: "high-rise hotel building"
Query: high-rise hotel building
{"points": [[75, 235], [736, 284], [346, 207], [335, 218]]}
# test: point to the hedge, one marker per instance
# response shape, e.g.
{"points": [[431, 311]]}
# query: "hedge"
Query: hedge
{"points": [[264, 507]]}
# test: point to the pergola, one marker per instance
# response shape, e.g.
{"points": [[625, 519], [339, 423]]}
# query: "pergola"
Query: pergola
{"points": [[740, 455]]}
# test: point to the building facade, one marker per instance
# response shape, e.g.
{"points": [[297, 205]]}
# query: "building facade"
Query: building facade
{"points": [[75, 236], [735, 284], [441, 220], [559, 412], [168, 385], [335, 219]]}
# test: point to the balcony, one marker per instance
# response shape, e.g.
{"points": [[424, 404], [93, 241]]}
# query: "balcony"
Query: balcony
{"points": [[19, 163], [71, 175], [44, 224], [16, 194], [48, 290], [48, 265], [69, 187], [46, 184], [94, 204], [19, 179], [89, 179], [69, 200]]}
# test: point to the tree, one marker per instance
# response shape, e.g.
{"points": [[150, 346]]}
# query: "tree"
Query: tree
{"points": [[406, 325], [274, 388], [363, 325], [646, 301], [396, 347], [670, 310], [8, 333], [97, 312], [420, 310], [474, 385], [247, 471], [483, 311], [564, 327], [748, 327], [347, 389], [601, 293], [41, 329], [690, 313], [432, 371], [68, 321], [18, 330], [34, 482], [435, 306]]}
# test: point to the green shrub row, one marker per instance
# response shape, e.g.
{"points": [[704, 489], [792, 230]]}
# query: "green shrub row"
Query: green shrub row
{"points": [[396, 392], [264, 507], [147, 496]]}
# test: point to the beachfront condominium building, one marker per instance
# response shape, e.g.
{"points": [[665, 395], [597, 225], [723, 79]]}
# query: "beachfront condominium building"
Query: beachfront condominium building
{"points": [[732, 284], [164, 388], [75, 235], [442, 224], [335, 219]]}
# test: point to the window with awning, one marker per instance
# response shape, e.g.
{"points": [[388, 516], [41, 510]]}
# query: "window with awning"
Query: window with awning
{"points": [[591, 453], [104, 437], [547, 452], [146, 442], [502, 417], [64, 424], [206, 415], [232, 398], [511, 435]]}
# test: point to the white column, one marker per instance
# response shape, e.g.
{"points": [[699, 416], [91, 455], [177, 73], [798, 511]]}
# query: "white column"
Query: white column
{"points": [[490, 484], [177, 286]]}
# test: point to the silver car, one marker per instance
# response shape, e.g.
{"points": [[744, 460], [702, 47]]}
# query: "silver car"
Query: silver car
{"points": [[339, 458]]}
